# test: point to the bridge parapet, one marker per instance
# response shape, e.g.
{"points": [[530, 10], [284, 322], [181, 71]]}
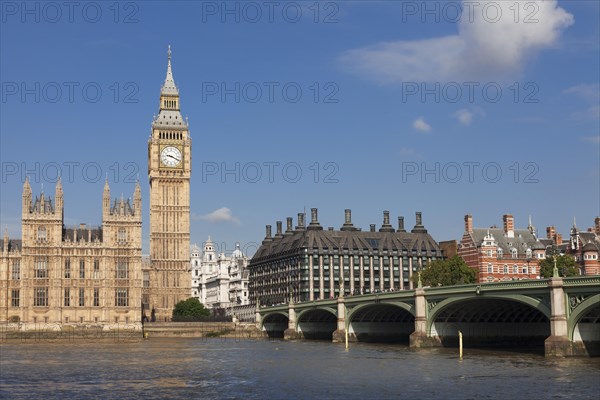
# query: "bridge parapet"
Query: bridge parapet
{"points": [[561, 302]]}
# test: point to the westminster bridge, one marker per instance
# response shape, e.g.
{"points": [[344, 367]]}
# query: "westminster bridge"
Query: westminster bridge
{"points": [[560, 314]]}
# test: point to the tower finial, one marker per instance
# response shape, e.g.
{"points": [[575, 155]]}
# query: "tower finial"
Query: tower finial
{"points": [[169, 52], [574, 223]]}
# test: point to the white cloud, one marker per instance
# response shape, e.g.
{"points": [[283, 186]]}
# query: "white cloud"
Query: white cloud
{"points": [[482, 49], [421, 125], [590, 93], [464, 116], [222, 214], [591, 139], [586, 91]]}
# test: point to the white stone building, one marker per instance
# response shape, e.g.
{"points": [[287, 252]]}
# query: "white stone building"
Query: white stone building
{"points": [[219, 280]]}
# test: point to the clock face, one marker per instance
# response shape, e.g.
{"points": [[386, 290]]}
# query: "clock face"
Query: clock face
{"points": [[170, 156]]}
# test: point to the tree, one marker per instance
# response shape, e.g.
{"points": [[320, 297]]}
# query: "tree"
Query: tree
{"points": [[566, 266], [190, 309], [452, 271]]}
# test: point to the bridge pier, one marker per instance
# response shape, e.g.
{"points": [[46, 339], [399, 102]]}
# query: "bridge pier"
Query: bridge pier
{"points": [[558, 343], [291, 333], [420, 338], [339, 335]]}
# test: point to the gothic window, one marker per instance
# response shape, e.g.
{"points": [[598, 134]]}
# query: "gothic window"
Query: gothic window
{"points": [[122, 269], [81, 297], [41, 267], [40, 297], [16, 270], [67, 297], [121, 297], [146, 278], [68, 268], [14, 298], [41, 233], [96, 297], [82, 269], [122, 235], [96, 268]]}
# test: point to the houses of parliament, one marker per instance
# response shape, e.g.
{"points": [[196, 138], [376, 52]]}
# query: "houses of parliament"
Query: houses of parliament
{"points": [[95, 275]]}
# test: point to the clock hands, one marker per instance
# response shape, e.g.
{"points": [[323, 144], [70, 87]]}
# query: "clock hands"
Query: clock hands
{"points": [[174, 158]]}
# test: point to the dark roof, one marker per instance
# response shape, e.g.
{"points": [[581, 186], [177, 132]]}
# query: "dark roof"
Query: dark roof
{"points": [[13, 245], [121, 207], [350, 240], [590, 247], [523, 239], [82, 234], [42, 205]]}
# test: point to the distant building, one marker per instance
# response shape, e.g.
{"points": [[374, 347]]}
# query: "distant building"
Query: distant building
{"points": [[309, 263], [502, 254], [219, 281], [73, 275], [584, 247]]}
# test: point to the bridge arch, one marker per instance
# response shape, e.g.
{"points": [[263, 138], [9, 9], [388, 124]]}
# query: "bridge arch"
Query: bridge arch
{"points": [[584, 322], [381, 322], [491, 321], [317, 323], [275, 323]]}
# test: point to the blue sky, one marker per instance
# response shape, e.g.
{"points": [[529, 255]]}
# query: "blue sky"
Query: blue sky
{"points": [[387, 91]]}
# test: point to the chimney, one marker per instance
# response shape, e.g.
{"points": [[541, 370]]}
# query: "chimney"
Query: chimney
{"points": [[419, 228], [290, 226], [372, 228], [348, 226], [386, 227], [550, 232], [279, 233], [469, 223], [401, 224], [314, 220], [597, 225], [268, 237], [300, 226], [509, 225], [558, 239]]}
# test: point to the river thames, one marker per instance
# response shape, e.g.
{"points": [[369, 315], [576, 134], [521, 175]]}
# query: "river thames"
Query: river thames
{"points": [[268, 369]]}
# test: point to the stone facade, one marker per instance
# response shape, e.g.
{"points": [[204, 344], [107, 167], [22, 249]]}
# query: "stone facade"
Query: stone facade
{"points": [[79, 275], [219, 281], [169, 170], [310, 263]]}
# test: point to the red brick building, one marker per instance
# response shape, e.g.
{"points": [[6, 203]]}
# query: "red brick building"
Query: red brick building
{"points": [[583, 246], [501, 254]]}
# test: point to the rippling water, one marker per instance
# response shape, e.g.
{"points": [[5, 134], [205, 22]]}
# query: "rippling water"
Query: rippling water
{"points": [[237, 369]]}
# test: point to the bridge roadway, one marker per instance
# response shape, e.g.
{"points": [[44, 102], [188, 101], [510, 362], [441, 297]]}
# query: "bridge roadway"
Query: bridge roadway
{"points": [[560, 314]]}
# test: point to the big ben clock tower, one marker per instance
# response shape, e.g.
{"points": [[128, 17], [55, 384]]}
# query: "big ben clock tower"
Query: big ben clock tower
{"points": [[169, 169]]}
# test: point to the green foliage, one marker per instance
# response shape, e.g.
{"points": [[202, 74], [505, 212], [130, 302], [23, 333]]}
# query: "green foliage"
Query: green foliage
{"points": [[189, 309], [566, 266], [452, 271]]}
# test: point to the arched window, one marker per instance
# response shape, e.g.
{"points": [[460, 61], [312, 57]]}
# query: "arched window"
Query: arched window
{"points": [[41, 233], [513, 253]]}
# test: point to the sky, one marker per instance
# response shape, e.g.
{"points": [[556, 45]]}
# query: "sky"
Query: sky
{"points": [[447, 108]]}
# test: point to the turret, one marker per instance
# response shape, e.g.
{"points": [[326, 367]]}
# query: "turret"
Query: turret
{"points": [[106, 200], [137, 200], [26, 205], [59, 199]]}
